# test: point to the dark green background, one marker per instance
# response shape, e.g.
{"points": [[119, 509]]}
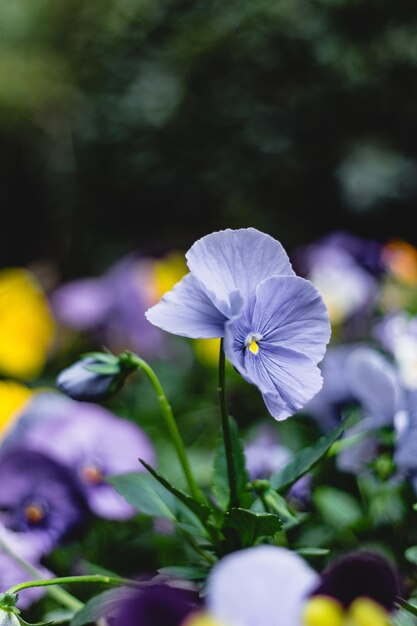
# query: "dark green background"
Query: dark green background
{"points": [[143, 124]]}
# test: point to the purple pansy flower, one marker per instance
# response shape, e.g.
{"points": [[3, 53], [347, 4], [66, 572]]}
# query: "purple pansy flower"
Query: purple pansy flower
{"points": [[270, 586], [156, 605], [343, 269], [38, 498], [242, 287], [92, 442], [110, 306], [374, 384], [397, 333], [11, 573]]}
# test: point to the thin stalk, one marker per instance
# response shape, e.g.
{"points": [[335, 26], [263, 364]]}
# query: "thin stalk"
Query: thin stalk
{"points": [[227, 434], [171, 425], [57, 593], [67, 580], [205, 555]]}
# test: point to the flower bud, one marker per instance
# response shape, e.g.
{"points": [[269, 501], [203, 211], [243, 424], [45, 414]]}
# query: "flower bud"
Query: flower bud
{"points": [[94, 377]]}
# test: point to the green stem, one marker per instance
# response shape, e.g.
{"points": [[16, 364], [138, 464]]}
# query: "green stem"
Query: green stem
{"points": [[66, 580], [60, 595], [227, 434], [171, 425]]}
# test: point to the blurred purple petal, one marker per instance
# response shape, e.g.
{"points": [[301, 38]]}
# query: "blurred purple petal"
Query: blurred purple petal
{"points": [[374, 383], [12, 574], [38, 497], [90, 441]]}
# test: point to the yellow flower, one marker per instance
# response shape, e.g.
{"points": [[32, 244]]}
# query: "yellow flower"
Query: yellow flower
{"points": [[167, 272], [13, 398], [401, 260], [325, 611], [26, 325]]}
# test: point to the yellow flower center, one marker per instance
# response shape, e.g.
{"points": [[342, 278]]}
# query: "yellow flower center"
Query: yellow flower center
{"points": [[252, 342], [253, 347], [34, 513], [325, 611]]}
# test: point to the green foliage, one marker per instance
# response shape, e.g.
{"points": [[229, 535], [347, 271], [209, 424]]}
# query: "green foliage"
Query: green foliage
{"points": [[304, 461], [251, 525]]}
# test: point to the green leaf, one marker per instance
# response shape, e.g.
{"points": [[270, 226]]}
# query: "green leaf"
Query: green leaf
{"points": [[102, 605], [313, 551], [407, 606], [102, 357], [201, 510], [251, 525], [338, 509], [304, 461], [24, 623], [185, 572], [104, 369], [411, 555], [146, 494], [278, 504], [220, 476]]}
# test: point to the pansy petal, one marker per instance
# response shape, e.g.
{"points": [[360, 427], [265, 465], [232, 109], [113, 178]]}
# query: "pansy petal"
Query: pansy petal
{"points": [[290, 312], [259, 586], [293, 380], [188, 311], [231, 260], [374, 382]]}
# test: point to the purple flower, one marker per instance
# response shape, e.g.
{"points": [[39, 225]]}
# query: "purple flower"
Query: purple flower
{"points": [[326, 406], [90, 441], [270, 586], [38, 498], [397, 333], [12, 574], [156, 605], [338, 267], [241, 287], [373, 383], [264, 455], [112, 307]]}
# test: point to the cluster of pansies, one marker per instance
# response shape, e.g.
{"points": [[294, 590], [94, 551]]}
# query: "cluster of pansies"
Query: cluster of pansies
{"points": [[293, 525]]}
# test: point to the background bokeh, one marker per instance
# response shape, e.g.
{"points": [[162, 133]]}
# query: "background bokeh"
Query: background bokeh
{"points": [[143, 124]]}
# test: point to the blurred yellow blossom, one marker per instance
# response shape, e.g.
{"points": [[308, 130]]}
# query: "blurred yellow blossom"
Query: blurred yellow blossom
{"points": [[26, 325], [13, 397], [167, 272]]}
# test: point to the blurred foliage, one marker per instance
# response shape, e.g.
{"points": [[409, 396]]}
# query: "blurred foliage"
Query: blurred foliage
{"points": [[133, 124]]}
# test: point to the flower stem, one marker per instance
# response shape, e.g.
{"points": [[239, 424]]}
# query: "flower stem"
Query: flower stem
{"points": [[65, 580], [60, 595], [171, 425], [227, 433]]}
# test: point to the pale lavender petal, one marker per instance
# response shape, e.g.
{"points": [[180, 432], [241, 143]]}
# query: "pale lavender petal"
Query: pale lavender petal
{"points": [[262, 586], [188, 311], [290, 312], [374, 382], [287, 377], [236, 260], [354, 458]]}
